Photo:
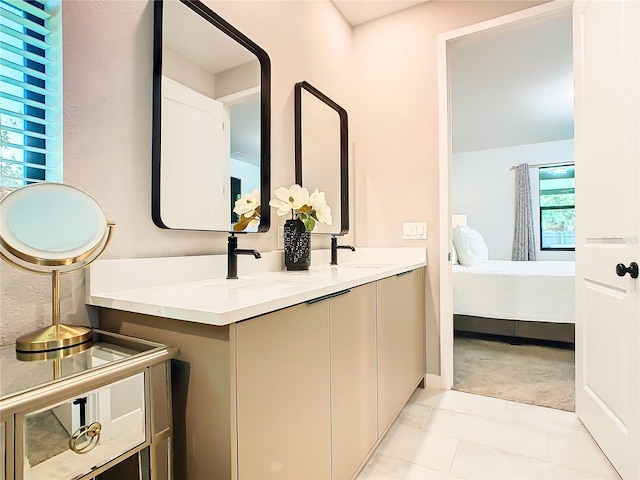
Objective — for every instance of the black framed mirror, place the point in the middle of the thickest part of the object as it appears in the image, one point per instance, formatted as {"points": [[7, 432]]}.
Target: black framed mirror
{"points": [[322, 153], [211, 120]]}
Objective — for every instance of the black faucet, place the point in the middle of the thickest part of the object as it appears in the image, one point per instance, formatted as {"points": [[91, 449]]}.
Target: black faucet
{"points": [[335, 247], [232, 256]]}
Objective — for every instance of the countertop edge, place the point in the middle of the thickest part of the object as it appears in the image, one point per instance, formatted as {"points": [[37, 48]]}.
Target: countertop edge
{"points": [[225, 317]]}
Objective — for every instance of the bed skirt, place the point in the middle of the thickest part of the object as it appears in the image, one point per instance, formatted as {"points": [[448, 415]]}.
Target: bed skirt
{"points": [[547, 331]]}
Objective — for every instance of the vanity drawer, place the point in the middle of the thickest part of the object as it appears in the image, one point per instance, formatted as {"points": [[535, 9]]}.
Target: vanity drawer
{"points": [[70, 439]]}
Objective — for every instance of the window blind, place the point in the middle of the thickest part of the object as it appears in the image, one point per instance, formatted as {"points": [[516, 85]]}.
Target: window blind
{"points": [[30, 92]]}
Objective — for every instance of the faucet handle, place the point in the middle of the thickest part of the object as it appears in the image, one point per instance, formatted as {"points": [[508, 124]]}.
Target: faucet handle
{"points": [[232, 256], [335, 247]]}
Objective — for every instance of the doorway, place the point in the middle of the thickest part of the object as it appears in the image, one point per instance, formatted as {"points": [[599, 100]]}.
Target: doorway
{"points": [[465, 140]]}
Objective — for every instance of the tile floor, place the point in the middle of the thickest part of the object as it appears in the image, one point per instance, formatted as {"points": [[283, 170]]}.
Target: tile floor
{"points": [[456, 435]]}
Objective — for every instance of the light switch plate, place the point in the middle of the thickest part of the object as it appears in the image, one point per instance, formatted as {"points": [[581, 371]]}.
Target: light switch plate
{"points": [[414, 230]]}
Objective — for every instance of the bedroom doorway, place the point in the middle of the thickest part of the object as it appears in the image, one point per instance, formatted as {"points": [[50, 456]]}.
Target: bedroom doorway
{"points": [[496, 352]]}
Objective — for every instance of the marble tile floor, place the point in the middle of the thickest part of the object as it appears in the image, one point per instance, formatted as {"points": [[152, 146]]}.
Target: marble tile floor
{"points": [[456, 435]]}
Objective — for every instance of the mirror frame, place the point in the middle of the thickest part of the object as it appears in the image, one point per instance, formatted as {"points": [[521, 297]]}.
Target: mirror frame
{"points": [[265, 110], [344, 148]]}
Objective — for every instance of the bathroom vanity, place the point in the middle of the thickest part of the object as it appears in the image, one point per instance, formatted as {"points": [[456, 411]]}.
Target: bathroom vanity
{"points": [[103, 412], [280, 375]]}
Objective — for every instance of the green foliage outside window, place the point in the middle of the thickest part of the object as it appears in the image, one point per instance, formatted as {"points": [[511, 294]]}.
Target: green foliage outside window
{"points": [[557, 208], [10, 173]]}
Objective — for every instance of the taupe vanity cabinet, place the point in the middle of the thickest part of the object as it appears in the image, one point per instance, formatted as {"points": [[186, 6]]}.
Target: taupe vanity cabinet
{"points": [[307, 388], [401, 355], [284, 419], [353, 378], [305, 392]]}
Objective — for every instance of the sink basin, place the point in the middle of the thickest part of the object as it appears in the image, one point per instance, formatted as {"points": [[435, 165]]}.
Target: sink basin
{"points": [[365, 265], [267, 284]]}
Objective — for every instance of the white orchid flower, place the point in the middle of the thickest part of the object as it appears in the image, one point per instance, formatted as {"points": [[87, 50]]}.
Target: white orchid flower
{"points": [[322, 210], [247, 204], [292, 198]]}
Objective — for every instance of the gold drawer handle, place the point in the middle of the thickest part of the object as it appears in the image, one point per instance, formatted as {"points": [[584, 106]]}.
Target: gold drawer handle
{"points": [[92, 435]]}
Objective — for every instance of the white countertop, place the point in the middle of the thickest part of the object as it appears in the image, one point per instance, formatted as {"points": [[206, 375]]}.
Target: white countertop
{"points": [[195, 288]]}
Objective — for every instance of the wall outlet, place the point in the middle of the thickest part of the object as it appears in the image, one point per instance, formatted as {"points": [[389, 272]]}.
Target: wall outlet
{"points": [[280, 237], [414, 230]]}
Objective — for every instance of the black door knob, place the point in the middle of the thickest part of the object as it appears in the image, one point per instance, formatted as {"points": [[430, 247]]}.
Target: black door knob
{"points": [[632, 270]]}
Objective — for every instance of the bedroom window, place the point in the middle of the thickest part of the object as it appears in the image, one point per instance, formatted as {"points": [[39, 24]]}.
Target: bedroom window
{"points": [[30, 92], [557, 207]]}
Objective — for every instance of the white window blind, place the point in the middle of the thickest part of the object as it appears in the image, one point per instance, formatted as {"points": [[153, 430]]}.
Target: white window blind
{"points": [[30, 92]]}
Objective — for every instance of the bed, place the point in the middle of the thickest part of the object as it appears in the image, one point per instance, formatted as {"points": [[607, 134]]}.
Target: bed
{"points": [[519, 299]]}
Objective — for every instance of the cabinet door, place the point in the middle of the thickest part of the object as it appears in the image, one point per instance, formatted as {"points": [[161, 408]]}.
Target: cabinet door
{"points": [[401, 340], [353, 378], [283, 394], [3, 452]]}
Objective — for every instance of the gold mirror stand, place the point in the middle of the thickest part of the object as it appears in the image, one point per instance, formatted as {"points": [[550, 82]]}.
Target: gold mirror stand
{"points": [[57, 335]]}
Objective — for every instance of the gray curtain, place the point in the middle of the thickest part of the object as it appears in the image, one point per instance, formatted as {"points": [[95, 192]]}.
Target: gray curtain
{"points": [[524, 246]]}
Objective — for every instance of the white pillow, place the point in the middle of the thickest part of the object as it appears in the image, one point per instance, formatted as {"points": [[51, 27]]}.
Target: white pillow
{"points": [[470, 246], [454, 255], [477, 245]]}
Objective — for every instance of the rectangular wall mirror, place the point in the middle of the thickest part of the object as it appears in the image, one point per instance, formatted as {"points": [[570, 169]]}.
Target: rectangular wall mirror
{"points": [[322, 158], [211, 119]]}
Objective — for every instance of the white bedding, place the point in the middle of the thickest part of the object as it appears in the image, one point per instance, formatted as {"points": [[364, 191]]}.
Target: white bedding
{"points": [[539, 291]]}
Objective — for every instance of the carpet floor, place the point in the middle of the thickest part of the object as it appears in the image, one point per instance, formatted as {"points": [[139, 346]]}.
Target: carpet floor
{"points": [[46, 437], [534, 374]]}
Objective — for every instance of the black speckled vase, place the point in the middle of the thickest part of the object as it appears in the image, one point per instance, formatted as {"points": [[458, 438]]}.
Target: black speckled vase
{"points": [[297, 246]]}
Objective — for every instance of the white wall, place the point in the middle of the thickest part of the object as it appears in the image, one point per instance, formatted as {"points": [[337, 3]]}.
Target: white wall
{"points": [[248, 174], [483, 187], [184, 71], [237, 79]]}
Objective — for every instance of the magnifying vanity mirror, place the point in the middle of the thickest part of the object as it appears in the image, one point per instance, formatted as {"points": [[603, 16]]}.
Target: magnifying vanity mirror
{"points": [[52, 229], [211, 119], [321, 157]]}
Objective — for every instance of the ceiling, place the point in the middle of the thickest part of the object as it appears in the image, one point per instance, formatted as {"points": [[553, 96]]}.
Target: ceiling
{"points": [[185, 31], [360, 11], [513, 85]]}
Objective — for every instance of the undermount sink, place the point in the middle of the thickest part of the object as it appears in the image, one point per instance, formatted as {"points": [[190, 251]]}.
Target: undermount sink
{"points": [[365, 265], [271, 283]]}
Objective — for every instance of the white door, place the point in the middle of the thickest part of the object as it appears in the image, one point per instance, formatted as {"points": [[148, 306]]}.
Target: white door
{"points": [[607, 142], [195, 181]]}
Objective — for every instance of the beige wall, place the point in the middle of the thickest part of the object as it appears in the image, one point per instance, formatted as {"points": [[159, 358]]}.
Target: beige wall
{"points": [[394, 120], [186, 72], [392, 106], [107, 128]]}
